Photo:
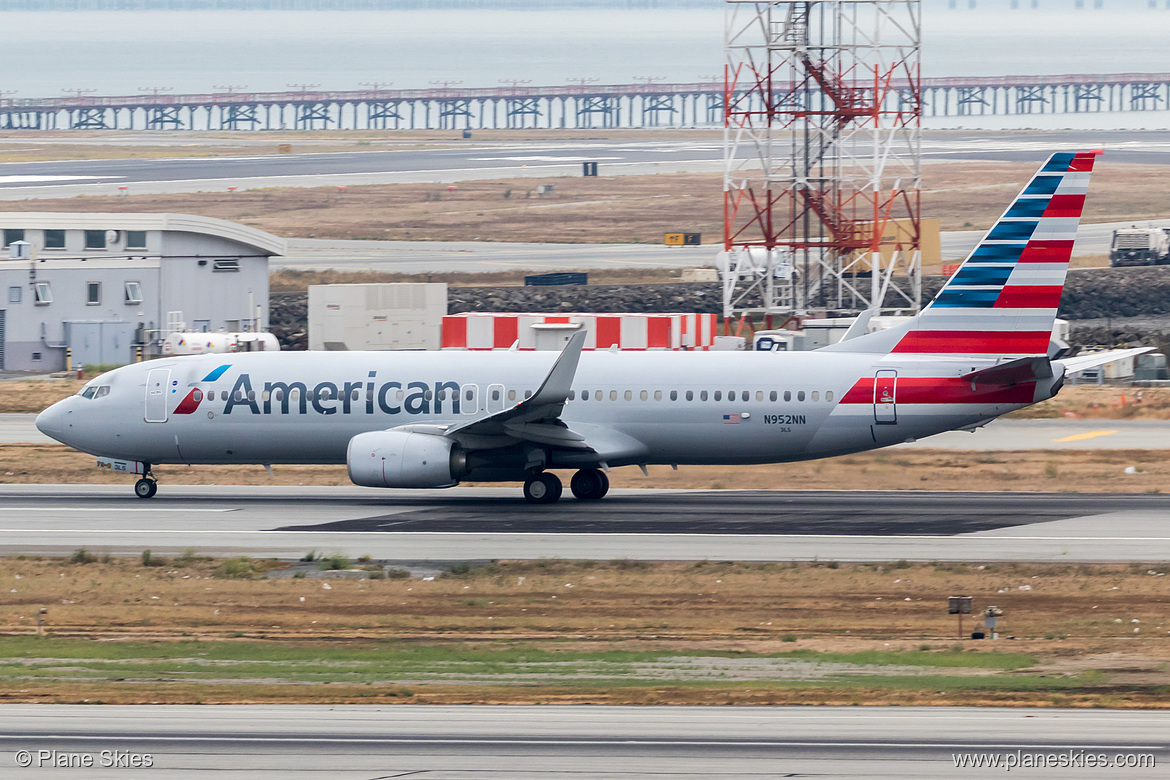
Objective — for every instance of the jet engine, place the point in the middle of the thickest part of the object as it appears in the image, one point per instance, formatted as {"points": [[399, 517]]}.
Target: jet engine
{"points": [[404, 459]]}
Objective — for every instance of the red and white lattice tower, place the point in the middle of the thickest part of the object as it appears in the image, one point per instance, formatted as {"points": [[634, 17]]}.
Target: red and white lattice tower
{"points": [[822, 116]]}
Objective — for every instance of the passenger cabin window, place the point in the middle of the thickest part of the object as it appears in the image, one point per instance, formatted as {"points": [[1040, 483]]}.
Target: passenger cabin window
{"points": [[760, 395], [54, 239], [718, 395], [800, 395], [828, 395], [772, 396], [690, 395], [511, 395], [702, 395], [816, 396], [674, 395], [787, 395], [657, 395], [629, 395]]}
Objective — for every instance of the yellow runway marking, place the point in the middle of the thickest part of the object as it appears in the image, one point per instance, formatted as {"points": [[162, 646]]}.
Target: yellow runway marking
{"points": [[1083, 436]]}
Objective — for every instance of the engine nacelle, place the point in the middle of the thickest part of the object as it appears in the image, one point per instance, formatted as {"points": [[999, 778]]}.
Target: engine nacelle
{"points": [[403, 459]]}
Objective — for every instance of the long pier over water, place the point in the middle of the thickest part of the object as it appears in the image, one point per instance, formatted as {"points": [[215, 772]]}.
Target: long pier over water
{"points": [[568, 106]]}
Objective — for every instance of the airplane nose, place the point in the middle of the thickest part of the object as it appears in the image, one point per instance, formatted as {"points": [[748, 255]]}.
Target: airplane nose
{"points": [[51, 422]]}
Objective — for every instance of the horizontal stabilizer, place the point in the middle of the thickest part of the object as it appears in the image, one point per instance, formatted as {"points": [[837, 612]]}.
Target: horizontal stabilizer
{"points": [[1026, 369], [1094, 359]]}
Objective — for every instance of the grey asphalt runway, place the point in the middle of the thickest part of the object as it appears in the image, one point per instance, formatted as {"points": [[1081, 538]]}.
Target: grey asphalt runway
{"points": [[550, 742], [442, 526], [1059, 434], [461, 161], [417, 257]]}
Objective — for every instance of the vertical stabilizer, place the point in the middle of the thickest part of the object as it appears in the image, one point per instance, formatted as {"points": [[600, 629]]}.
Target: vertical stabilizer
{"points": [[1002, 300], [1004, 297]]}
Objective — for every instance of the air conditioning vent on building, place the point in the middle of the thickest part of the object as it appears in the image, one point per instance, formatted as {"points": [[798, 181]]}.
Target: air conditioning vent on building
{"points": [[226, 266]]}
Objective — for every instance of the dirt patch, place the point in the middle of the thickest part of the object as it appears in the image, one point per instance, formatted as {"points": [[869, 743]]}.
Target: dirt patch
{"points": [[618, 632], [1081, 471], [621, 209]]}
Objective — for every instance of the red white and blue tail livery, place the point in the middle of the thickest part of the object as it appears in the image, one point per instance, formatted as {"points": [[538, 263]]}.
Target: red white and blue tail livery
{"points": [[1004, 297], [430, 419]]}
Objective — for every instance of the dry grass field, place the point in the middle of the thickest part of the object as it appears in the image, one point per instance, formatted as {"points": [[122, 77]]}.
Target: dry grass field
{"points": [[624, 209], [192, 629], [1081, 471]]}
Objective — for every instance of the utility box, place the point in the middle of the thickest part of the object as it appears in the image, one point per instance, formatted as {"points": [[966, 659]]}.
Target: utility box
{"points": [[376, 316]]}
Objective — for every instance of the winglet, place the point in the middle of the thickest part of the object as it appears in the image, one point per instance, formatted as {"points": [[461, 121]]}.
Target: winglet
{"points": [[556, 386]]}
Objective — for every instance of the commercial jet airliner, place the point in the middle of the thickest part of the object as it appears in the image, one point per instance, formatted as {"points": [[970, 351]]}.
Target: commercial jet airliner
{"points": [[980, 349]]}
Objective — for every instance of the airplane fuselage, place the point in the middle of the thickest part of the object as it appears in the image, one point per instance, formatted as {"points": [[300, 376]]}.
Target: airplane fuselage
{"points": [[653, 407]]}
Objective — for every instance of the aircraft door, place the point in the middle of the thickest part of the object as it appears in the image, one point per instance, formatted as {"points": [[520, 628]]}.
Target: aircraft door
{"points": [[885, 385], [495, 398], [469, 404], [157, 381]]}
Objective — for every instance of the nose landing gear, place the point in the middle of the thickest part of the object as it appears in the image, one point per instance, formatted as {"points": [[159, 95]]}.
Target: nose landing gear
{"points": [[147, 486]]}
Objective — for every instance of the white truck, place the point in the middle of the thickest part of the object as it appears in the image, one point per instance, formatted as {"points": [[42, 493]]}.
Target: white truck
{"points": [[1140, 246]]}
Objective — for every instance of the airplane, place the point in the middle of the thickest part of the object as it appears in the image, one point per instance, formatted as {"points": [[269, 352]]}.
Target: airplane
{"points": [[978, 350]]}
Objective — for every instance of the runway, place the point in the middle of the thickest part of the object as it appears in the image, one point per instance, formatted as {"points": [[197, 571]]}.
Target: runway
{"points": [[549, 742], [456, 160], [417, 257], [474, 524]]}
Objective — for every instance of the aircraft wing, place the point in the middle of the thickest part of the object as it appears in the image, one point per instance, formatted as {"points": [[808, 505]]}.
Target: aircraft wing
{"points": [[1094, 359], [535, 419]]}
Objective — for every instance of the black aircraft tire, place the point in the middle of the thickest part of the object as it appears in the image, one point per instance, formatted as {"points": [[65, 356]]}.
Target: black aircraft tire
{"points": [[145, 488], [544, 488], [589, 484]]}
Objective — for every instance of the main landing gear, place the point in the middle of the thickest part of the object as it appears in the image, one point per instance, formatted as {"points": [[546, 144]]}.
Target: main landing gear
{"points": [[545, 488], [589, 484], [147, 486]]}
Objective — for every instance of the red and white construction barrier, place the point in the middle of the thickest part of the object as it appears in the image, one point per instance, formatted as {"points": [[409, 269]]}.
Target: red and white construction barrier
{"points": [[486, 331]]}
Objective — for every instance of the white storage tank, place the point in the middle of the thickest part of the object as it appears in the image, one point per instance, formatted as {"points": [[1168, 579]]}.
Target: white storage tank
{"points": [[376, 316], [196, 343]]}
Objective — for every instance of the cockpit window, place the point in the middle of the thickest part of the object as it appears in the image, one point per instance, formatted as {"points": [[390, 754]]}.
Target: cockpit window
{"points": [[101, 391], [88, 392], [95, 391]]}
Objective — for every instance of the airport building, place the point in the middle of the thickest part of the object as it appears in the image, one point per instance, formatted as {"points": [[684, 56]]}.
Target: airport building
{"points": [[103, 288]]}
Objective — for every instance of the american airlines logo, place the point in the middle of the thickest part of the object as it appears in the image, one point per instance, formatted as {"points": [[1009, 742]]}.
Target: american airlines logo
{"points": [[326, 398]]}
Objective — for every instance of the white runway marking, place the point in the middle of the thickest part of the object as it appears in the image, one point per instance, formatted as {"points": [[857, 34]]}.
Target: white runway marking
{"points": [[155, 510], [43, 179]]}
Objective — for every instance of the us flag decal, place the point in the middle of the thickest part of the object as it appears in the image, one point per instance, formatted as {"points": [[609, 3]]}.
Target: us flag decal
{"points": [[731, 419]]}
